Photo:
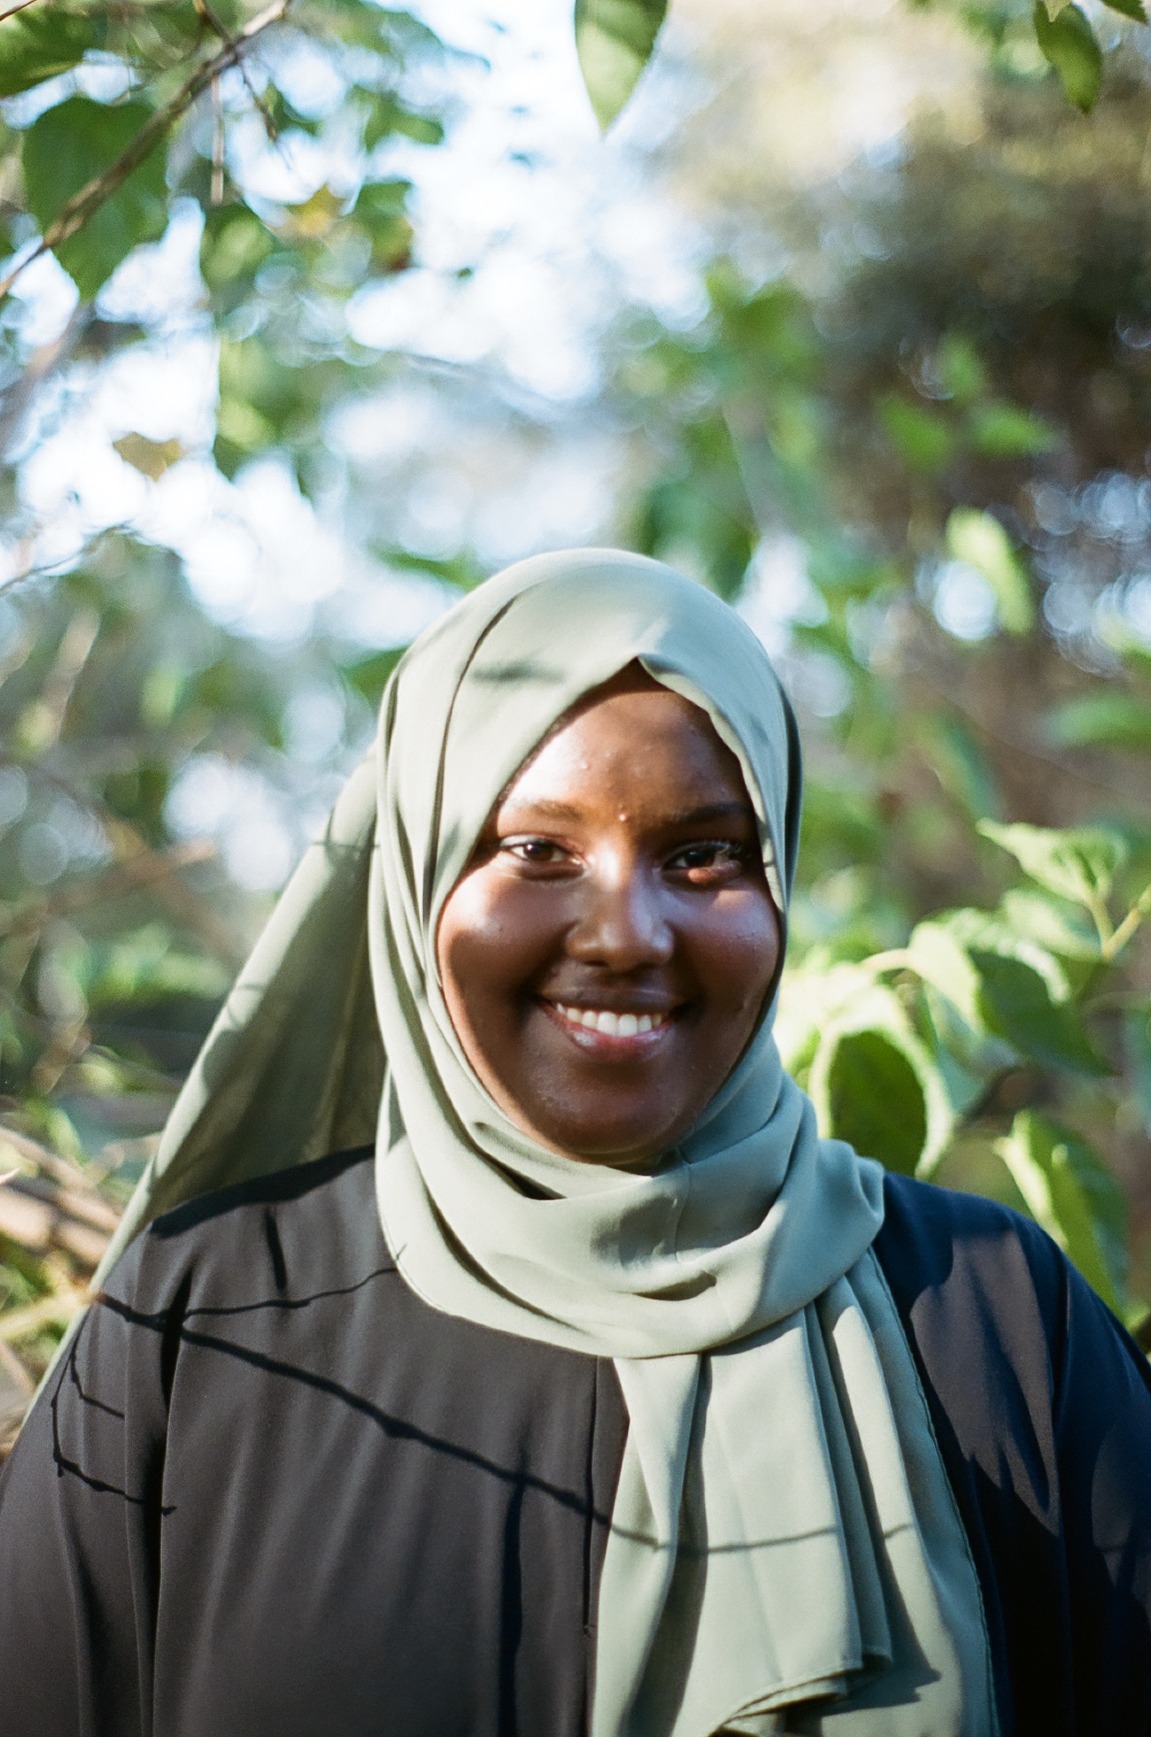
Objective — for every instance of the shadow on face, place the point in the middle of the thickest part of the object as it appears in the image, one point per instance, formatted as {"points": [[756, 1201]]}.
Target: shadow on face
{"points": [[607, 953]]}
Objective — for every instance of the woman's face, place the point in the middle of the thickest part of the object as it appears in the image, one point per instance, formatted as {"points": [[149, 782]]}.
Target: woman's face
{"points": [[606, 953]]}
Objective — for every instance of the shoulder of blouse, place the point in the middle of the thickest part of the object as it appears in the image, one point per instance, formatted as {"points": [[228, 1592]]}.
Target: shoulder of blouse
{"points": [[292, 1233], [1041, 1405]]}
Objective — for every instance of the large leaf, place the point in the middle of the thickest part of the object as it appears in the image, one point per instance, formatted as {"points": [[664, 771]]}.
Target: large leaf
{"points": [[614, 40], [1006, 984], [1051, 923], [41, 42], [809, 999], [875, 1085], [1079, 863], [63, 150], [1069, 44], [1018, 1005], [1073, 1197], [979, 540], [941, 958]]}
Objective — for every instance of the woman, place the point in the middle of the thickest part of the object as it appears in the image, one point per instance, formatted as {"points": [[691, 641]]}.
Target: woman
{"points": [[584, 1389]]}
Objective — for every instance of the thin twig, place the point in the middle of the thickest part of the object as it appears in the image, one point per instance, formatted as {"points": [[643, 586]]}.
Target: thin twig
{"points": [[59, 686], [127, 875], [19, 7], [50, 1311], [63, 1170], [216, 195], [128, 844], [54, 569], [216, 23], [76, 212]]}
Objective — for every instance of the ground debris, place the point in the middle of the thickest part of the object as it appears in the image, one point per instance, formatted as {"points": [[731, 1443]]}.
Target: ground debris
{"points": [[54, 1227]]}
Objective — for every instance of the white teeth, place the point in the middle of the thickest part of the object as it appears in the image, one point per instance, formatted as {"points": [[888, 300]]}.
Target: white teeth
{"points": [[613, 1024]]}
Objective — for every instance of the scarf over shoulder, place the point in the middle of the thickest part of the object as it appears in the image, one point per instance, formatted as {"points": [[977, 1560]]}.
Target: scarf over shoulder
{"points": [[785, 1554]]}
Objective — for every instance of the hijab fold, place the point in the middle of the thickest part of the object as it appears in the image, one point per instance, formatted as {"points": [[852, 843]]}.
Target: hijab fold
{"points": [[784, 1553]]}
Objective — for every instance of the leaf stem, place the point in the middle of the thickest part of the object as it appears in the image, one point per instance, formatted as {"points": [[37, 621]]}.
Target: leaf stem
{"points": [[1101, 917], [1119, 937], [893, 959]]}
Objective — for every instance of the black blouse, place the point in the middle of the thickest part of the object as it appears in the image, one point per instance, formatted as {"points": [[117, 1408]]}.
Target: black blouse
{"points": [[272, 1494]]}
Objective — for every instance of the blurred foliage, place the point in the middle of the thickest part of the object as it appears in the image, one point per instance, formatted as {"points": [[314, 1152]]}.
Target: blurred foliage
{"points": [[923, 443], [927, 443]]}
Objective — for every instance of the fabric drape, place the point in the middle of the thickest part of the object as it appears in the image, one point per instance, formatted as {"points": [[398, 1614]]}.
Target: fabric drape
{"points": [[784, 1551]]}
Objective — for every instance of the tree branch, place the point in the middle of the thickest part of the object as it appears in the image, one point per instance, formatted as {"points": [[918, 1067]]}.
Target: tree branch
{"points": [[128, 875], [76, 212]]}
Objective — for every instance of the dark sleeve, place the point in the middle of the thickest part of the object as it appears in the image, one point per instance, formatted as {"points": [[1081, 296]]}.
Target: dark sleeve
{"points": [[79, 1513], [1042, 1406]]}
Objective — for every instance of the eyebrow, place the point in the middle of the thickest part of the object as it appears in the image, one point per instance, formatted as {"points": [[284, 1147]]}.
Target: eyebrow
{"points": [[705, 815]]}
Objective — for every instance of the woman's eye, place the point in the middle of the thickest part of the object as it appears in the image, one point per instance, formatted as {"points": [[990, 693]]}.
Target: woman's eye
{"points": [[539, 852], [713, 859]]}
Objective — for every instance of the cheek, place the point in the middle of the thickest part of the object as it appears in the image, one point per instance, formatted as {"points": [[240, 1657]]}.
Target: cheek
{"points": [[488, 944], [738, 950]]}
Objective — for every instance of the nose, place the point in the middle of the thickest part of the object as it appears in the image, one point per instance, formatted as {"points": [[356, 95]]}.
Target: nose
{"points": [[622, 925]]}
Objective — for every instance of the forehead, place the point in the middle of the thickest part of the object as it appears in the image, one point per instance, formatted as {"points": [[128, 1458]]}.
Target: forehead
{"points": [[632, 742]]}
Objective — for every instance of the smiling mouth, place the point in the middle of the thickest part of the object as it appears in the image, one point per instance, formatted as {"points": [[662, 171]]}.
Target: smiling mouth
{"points": [[610, 1023]]}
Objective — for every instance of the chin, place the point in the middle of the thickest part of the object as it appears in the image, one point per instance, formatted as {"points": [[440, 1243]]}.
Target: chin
{"points": [[618, 1148]]}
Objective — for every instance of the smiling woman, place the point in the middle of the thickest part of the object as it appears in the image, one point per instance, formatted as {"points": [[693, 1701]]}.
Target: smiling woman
{"points": [[495, 1346], [608, 951]]}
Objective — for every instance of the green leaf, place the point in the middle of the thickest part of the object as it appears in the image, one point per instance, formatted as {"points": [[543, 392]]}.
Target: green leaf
{"points": [[1076, 1200], [1054, 925], [919, 435], [939, 956], [875, 1085], [369, 675], [810, 997], [1101, 720], [234, 245], [381, 210], [1129, 8], [63, 150], [1017, 1004], [387, 116], [1080, 863], [145, 965], [959, 369], [614, 41], [1004, 431], [961, 764], [979, 540], [41, 42], [1067, 42]]}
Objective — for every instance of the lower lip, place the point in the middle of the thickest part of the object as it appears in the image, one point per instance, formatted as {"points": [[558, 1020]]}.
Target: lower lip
{"points": [[607, 1045]]}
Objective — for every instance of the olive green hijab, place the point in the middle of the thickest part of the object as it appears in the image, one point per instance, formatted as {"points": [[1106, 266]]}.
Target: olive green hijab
{"points": [[784, 1553]]}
